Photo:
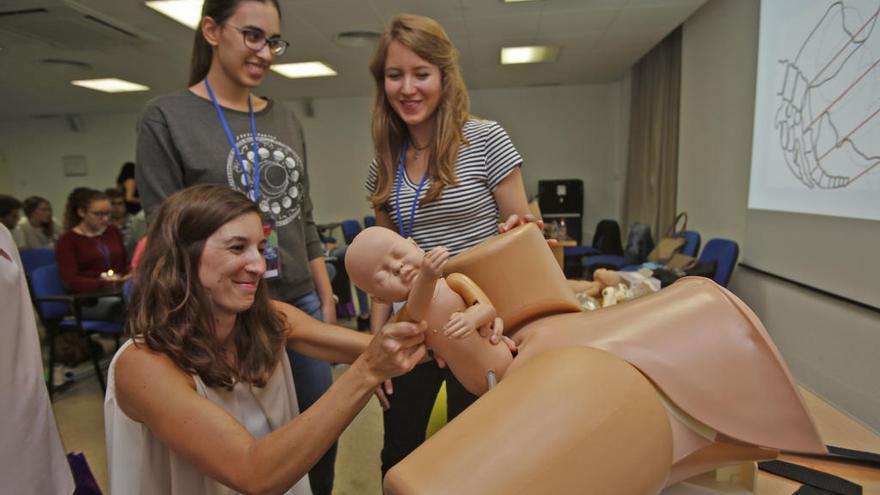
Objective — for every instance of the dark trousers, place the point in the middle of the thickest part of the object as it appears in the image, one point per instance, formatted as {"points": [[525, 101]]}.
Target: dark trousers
{"points": [[109, 308], [411, 404], [312, 378]]}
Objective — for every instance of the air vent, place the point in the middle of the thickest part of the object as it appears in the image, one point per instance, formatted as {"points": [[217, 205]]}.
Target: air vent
{"points": [[66, 24], [357, 39]]}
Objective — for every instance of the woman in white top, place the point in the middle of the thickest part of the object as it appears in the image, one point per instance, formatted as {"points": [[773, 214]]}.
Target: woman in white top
{"points": [[201, 401], [39, 230]]}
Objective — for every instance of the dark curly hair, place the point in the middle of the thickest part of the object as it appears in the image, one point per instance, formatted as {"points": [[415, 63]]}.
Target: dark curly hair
{"points": [[79, 199], [171, 312]]}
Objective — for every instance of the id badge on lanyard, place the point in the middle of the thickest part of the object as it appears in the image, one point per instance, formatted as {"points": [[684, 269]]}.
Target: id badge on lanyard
{"points": [[271, 252]]}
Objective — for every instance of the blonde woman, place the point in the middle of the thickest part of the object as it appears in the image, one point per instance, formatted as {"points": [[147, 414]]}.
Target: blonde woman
{"points": [[441, 177]]}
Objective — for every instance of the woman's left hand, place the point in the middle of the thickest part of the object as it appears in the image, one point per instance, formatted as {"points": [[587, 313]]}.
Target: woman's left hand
{"points": [[516, 220]]}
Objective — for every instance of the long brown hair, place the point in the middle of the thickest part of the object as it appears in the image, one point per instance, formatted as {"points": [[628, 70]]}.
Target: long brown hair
{"points": [[202, 53], [171, 312], [428, 40], [31, 204], [79, 199]]}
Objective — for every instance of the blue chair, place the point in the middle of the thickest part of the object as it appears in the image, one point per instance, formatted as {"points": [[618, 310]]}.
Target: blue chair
{"points": [[691, 243], [31, 259], [724, 253], [369, 221], [690, 248], [60, 312], [350, 228], [606, 240], [638, 244]]}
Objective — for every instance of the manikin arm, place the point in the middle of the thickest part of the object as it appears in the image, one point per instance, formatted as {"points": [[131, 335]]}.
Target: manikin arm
{"points": [[479, 313], [462, 323], [423, 286]]}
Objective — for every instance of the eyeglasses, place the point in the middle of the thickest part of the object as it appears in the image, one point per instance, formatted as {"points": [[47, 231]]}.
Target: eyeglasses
{"points": [[102, 214], [256, 40]]}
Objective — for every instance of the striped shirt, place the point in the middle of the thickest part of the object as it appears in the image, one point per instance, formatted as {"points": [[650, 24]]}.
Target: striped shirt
{"points": [[466, 212]]}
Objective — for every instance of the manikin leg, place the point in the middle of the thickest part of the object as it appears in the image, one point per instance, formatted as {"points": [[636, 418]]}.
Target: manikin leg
{"points": [[572, 420]]}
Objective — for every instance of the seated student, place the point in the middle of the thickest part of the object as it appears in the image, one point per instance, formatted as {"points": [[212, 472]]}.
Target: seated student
{"points": [[202, 399], [393, 270], [39, 230], [118, 214], [10, 211], [91, 254]]}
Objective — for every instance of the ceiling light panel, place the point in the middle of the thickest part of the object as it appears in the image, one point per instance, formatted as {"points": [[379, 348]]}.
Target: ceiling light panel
{"points": [[529, 54], [186, 12], [304, 69], [110, 85]]}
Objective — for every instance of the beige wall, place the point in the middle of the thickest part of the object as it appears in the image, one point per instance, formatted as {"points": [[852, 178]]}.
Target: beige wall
{"points": [[831, 346], [32, 151]]}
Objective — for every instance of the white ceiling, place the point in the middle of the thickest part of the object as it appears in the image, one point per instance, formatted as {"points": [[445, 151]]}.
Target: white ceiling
{"points": [[599, 40]]}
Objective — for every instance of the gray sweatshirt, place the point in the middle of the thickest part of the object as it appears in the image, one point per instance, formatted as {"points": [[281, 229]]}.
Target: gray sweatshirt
{"points": [[181, 143]]}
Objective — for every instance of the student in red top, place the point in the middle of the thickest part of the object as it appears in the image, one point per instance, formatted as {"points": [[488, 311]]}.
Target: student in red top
{"points": [[91, 252]]}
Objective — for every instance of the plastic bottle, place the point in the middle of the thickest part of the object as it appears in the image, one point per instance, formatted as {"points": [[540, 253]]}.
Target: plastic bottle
{"points": [[563, 231]]}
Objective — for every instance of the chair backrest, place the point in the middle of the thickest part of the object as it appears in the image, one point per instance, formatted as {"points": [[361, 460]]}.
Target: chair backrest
{"points": [[369, 221], [350, 228], [607, 237], [31, 259], [691, 242], [639, 242], [724, 253], [46, 281]]}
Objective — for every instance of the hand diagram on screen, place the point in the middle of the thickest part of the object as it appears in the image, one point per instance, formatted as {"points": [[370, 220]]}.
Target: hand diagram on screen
{"points": [[829, 102]]}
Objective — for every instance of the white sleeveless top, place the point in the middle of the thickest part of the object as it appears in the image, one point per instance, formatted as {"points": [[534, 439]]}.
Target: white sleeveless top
{"points": [[139, 463]]}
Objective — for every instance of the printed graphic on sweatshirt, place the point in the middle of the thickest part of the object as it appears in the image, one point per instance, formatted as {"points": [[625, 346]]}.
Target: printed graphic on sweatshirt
{"points": [[280, 176]]}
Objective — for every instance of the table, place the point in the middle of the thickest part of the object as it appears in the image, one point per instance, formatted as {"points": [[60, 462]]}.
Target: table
{"points": [[559, 251], [836, 429]]}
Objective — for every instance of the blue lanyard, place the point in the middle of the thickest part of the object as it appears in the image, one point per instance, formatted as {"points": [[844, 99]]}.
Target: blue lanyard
{"points": [[255, 182], [401, 169], [105, 251]]}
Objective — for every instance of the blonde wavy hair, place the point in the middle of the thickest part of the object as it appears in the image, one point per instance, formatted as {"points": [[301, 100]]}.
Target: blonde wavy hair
{"points": [[428, 40]]}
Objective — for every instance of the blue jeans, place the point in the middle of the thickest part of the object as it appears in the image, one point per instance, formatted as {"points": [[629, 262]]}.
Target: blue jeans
{"points": [[312, 378]]}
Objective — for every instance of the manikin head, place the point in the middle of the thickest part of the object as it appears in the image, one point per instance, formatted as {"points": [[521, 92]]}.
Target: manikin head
{"points": [[383, 264]]}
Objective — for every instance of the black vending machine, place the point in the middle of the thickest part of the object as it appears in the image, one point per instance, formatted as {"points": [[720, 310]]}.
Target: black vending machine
{"points": [[562, 200]]}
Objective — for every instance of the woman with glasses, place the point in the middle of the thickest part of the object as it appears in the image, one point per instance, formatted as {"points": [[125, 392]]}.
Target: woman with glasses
{"points": [[217, 131], [91, 254]]}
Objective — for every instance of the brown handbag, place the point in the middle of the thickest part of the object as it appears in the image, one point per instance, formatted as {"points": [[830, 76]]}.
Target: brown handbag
{"points": [[670, 245]]}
